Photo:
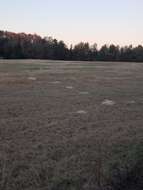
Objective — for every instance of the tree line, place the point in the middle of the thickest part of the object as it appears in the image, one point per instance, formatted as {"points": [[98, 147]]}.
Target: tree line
{"points": [[32, 46]]}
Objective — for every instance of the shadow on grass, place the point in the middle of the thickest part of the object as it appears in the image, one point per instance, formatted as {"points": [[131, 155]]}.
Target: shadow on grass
{"points": [[126, 167]]}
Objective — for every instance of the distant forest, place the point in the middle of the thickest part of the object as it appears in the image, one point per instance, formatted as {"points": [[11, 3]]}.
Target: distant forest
{"points": [[32, 46]]}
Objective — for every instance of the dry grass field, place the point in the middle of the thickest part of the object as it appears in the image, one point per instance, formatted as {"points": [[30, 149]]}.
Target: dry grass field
{"points": [[71, 125]]}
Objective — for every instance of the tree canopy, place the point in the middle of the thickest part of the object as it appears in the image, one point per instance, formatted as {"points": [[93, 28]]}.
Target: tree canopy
{"points": [[33, 46]]}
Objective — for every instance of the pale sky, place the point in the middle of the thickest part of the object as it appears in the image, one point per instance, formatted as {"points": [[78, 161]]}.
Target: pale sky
{"points": [[101, 21]]}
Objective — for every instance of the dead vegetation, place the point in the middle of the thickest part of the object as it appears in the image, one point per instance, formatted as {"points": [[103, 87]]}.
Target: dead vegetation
{"points": [[45, 144]]}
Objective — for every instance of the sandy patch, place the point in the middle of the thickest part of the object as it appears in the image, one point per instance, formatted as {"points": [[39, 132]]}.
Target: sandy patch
{"points": [[108, 102], [131, 102], [84, 93], [81, 112], [32, 78], [55, 82], [69, 87]]}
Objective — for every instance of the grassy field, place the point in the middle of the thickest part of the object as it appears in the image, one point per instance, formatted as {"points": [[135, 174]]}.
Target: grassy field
{"points": [[71, 125]]}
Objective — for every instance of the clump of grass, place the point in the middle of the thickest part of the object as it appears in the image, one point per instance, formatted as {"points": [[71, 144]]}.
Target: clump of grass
{"points": [[18, 175], [3, 175], [119, 167]]}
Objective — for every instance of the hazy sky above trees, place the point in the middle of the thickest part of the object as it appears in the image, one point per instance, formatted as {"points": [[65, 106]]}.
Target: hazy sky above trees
{"points": [[101, 21]]}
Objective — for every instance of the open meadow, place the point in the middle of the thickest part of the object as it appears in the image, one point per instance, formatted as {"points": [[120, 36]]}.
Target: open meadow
{"points": [[71, 125]]}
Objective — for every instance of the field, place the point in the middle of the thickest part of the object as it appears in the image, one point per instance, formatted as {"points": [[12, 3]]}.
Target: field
{"points": [[71, 125]]}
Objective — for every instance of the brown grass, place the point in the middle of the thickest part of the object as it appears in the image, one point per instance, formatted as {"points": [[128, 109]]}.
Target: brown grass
{"points": [[46, 145]]}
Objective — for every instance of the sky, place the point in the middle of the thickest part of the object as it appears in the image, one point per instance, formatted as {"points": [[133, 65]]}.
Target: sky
{"points": [[94, 21]]}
